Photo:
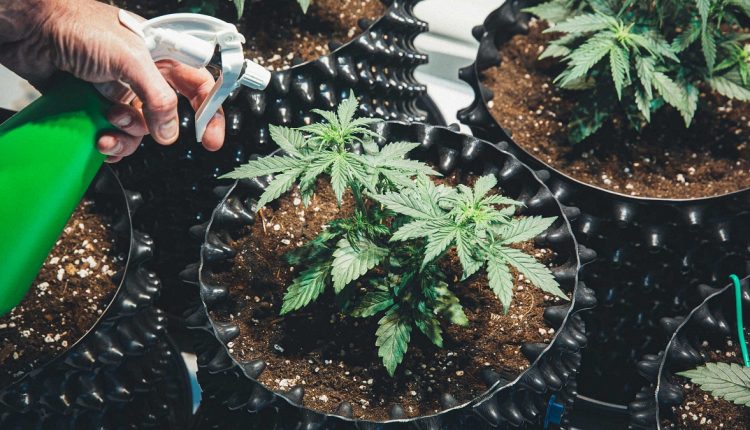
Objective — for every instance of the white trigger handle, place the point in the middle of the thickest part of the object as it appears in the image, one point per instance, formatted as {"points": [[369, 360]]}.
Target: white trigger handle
{"points": [[191, 39]]}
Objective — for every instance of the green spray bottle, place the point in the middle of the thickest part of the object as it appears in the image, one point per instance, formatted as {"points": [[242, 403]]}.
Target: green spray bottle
{"points": [[48, 156]]}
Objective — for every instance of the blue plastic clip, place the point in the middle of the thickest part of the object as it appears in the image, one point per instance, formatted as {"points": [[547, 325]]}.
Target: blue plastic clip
{"points": [[554, 412]]}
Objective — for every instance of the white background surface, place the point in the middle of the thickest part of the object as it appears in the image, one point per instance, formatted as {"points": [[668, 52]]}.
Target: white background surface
{"points": [[449, 44]]}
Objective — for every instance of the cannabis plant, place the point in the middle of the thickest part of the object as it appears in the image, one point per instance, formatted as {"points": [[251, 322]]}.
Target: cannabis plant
{"points": [[383, 259], [728, 381], [635, 57], [478, 225]]}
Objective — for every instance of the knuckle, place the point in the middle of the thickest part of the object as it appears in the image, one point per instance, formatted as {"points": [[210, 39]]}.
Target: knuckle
{"points": [[163, 102]]}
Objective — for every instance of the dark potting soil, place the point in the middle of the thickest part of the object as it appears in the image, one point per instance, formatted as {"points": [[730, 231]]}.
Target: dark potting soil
{"points": [[334, 357], [276, 31], [667, 160], [702, 411], [68, 296]]}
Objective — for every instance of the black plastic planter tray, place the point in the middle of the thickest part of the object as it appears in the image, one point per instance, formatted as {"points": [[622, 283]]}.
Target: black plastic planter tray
{"points": [[123, 373], [177, 181], [232, 396], [715, 320], [652, 252]]}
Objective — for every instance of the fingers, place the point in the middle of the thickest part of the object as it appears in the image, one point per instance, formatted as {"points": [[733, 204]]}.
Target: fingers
{"points": [[128, 119], [121, 144], [159, 99], [117, 145], [196, 85]]}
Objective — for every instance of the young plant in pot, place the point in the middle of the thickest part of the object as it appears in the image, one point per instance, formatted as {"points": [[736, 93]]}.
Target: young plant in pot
{"points": [[85, 348], [701, 380], [344, 280], [370, 51], [639, 111]]}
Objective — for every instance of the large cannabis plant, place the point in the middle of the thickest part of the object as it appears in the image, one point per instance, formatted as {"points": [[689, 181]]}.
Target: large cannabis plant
{"points": [[638, 56], [383, 258], [728, 381]]}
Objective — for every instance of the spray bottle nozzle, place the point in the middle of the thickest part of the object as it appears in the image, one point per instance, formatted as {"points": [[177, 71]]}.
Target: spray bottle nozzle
{"points": [[192, 39]]}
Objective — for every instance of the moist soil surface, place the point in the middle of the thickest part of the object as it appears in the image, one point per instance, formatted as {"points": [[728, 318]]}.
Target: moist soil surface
{"points": [[665, 161], [702, 411], [334, 357], [68, 296], [277, 31]]}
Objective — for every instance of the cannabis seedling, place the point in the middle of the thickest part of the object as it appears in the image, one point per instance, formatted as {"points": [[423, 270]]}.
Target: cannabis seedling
{"points": [[728, 381], [396, 209], [479, 225], [638, 56]]}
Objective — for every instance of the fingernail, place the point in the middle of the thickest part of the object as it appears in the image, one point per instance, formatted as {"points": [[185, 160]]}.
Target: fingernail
{"points": [[124, 121], [169, 129], [117, 149]]}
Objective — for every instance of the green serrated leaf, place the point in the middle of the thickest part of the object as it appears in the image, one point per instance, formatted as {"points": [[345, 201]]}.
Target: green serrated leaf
{"points": [[500, 281], [397, 150], [619, 63], [673, 94], [708, 43], [288, 139], [329, 116], [729, 87], [278, 186], [373, 303], [536, 272], [437, 242], [393, 335], [339, 176], [483, 186], [523, 229], [351, 262], [464, 249], [305, 288], [304, 4], [498, 199], [728, 381], [688, 36], [449, 306], [347, 109], [704, 6], [644, 104], [430, 327], [411, 230], [583, 23], [586, 56], [585, 123], [264, 166], [552, 11], [240, 6], [645, 67], [407, 202]]}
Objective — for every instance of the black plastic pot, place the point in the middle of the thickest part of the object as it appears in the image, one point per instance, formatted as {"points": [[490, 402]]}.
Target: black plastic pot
{"points": [[232, 396], [177, 181], [124, 373], [652, 252], [714, 320]]}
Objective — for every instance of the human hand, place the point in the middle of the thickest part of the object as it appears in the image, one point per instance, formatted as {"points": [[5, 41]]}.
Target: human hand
{"points": [[85, 38]]}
